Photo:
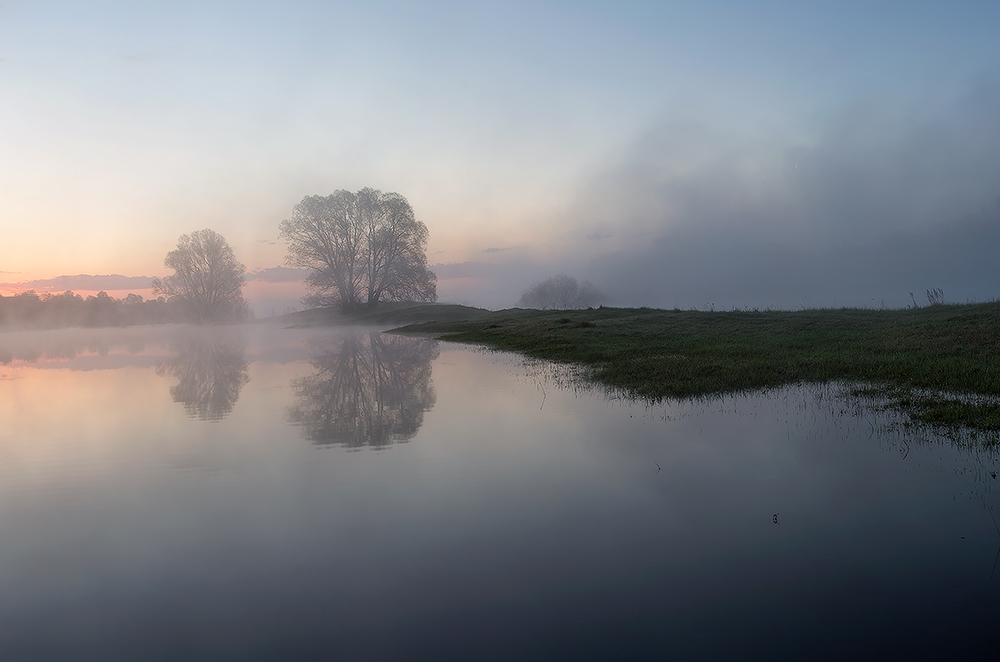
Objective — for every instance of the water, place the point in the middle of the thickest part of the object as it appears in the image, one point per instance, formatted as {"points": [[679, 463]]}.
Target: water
{"points": [[267, 493]]}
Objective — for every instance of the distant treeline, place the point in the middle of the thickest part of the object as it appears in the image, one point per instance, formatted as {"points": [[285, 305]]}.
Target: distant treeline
{"points": [[29, 310]]}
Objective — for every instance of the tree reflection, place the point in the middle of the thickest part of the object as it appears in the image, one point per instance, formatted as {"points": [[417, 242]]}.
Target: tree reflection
{"points": [[370, 389], [212, 371]]}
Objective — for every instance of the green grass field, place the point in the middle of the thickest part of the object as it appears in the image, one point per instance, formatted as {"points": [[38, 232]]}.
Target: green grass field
{"points": [[925, 361]]}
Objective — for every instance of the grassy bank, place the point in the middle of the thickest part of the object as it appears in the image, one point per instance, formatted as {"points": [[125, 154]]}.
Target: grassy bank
{"points": [[908, 355]]}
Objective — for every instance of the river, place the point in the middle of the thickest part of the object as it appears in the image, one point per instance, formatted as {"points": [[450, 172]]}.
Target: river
{"points": [[264, 493]]}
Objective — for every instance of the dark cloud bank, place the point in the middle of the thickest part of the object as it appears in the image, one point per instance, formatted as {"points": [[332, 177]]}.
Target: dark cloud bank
{"points": [[878, 205]]}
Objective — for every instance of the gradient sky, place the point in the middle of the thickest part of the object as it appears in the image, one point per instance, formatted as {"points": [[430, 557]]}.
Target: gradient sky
{"points": [[690, 154]]}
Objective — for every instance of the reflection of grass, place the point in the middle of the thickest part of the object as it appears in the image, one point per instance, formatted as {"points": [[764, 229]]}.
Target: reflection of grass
{"points": [[953, 411], [938, 409], [658, 353]]}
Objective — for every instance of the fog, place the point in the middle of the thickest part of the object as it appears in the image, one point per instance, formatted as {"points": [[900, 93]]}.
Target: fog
{"points": [[871, 208]]}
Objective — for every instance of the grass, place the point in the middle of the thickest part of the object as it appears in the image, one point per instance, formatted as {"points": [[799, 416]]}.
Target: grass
{"points": [[941, 352]]}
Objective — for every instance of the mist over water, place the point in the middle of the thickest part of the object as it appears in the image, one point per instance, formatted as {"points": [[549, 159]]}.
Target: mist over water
{"points": [[243, 492], [246, 491]]}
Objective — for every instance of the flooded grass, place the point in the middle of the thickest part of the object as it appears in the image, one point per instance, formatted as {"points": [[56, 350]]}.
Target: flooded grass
{"points": [[926, 361]]}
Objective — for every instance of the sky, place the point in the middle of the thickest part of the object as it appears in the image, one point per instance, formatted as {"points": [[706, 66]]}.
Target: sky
{"points": [[696, 155]]}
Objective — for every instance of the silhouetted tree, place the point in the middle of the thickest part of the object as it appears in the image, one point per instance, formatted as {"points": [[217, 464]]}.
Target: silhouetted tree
{"points": [[66, 309], [207, 281], [363, 247], [29, 310], [24, 310], [369, 389], [560, 292], [103, 310]]}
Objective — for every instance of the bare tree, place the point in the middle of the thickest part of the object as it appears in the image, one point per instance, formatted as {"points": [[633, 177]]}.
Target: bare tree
{"points": [[208, 280], [560, 292], [363, 247]]}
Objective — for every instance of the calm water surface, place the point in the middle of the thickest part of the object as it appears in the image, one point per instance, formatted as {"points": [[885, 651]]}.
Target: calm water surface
{"points": [[264, 493]]}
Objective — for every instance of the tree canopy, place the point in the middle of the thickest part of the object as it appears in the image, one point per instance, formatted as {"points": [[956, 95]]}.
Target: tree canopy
{"points": [[363, 248], [30, 310], [208, 280], [560, 292]]}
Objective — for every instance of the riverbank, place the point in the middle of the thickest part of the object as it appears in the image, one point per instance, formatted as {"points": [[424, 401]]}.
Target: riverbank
{"points": [[925, 361]]}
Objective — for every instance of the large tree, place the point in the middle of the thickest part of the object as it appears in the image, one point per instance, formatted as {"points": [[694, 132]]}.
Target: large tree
{"points": [[208, 279], [363, 248]]}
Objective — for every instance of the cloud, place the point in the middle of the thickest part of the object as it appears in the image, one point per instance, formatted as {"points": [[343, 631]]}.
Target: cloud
{"points": [[866, 207], [82, 282], [499, 250], [878, 203], [466, 270]]}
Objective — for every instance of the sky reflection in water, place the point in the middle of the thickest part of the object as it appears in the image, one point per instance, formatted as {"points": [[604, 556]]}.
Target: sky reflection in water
{"points": [[189, 494]]}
